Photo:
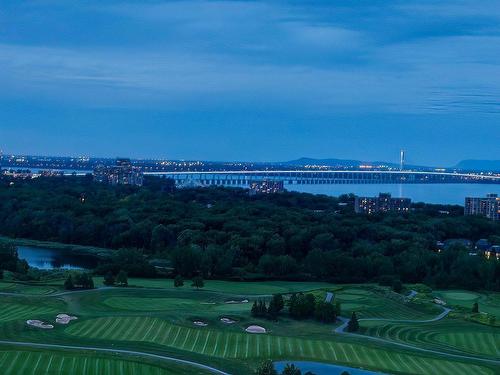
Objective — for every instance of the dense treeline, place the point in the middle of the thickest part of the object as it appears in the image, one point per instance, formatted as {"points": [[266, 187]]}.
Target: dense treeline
{"points": [[217, 232]]}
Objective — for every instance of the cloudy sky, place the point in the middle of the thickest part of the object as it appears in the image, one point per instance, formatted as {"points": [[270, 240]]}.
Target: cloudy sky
{"points": [[245, 80]]}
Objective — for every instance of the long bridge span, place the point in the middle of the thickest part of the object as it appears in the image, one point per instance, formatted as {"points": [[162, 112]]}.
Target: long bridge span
{"points": [[330, 177]]}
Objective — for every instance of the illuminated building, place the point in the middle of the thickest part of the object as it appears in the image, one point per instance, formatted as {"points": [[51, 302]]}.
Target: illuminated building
{"points": [[493, 253], [383, 203], [488, 206], [266, 187], [123, 173]]}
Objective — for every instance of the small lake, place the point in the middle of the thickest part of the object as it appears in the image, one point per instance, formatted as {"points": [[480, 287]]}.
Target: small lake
{"points": [[48, 259], [324, 369]]}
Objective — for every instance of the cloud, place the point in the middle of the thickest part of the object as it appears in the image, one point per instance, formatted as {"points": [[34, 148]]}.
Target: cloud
{"points": [[325, 57]]}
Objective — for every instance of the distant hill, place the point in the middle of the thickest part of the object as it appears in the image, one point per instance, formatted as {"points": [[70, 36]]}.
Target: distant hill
{"points": [[480, 165]]}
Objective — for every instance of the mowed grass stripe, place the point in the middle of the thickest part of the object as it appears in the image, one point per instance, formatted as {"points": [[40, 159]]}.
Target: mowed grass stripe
{"points": [[42, 363], [221, 344], [9, 312]]}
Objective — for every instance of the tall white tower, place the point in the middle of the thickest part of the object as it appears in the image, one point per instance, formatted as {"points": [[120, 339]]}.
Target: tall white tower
{"points": [[402, 157]]}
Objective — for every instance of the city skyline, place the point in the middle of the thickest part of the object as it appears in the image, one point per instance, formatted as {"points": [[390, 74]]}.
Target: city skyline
{"points": [[251, 81]]}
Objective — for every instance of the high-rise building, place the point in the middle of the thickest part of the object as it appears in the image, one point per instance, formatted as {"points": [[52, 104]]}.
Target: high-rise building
{"points": [[488, 206], [123, 173], [383, 203]]}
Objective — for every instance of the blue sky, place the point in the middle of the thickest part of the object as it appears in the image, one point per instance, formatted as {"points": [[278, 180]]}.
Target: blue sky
{"points": [[245, 80]]}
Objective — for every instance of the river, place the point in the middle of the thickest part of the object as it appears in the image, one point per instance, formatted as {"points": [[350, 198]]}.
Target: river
{"points": [[428, 193]]}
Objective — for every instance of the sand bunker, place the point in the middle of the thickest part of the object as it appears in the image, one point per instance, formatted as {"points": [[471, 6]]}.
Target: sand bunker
{"points": [[200, 323], [39, 324], [256, 329], [439, 302], [64, 318], [227, 321], [242, 301], [207, 303]]}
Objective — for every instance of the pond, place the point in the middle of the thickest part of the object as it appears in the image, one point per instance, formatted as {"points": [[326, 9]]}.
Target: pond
{"points": [[324, 369], [48, 259]]}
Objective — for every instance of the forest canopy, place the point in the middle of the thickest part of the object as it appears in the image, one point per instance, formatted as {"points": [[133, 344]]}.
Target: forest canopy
{"points": [[225, 233]]}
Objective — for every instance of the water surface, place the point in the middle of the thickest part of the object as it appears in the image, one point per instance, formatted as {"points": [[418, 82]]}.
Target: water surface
{"points": [[48, 259], [324, 369], [428, 193]]}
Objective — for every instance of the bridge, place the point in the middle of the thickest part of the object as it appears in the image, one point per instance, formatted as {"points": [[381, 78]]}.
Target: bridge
{"points": [[244, 178]]}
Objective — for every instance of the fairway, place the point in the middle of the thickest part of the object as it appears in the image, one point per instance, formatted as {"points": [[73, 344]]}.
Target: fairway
{"points": [[370, 303], [151, 304], [445, 334], [488, 302], [22, 311], [160, 320], [233, 345], [15, 362], [231, 287]]}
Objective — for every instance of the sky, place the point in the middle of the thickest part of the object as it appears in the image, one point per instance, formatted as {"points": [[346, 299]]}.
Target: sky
{"points": [[251, 81]]}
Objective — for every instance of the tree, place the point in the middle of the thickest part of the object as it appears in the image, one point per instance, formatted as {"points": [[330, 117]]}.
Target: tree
{"points": [[109, 279], [279, 302], [122, 278], [475, 308], [345, 373], [275, 306], [82, 281], [266, 368], [1, 274], [397, 286], [353, 325], [338, 308], [178, 281], [325, 312], [301, 306], [198, 282], [290, 369], [254, 310], [68, 284]]}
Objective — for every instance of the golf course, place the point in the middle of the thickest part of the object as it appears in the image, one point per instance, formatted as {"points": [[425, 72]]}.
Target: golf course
{"points": [[151, 327]]}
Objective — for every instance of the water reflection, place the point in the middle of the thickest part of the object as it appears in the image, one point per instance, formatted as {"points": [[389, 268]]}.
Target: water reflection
{"points": [[324, 369], [47, 259]]}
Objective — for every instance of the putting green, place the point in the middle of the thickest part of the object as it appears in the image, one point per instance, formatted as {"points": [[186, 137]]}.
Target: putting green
{"points": [[460, 296]]}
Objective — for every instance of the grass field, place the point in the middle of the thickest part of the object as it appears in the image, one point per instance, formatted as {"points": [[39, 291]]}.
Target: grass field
{"points": [[12, 309], [159, 319], [216, 343], [10, 287], [488, 302], [16, 362], [443, 335], [369, 302], [231, 287]]}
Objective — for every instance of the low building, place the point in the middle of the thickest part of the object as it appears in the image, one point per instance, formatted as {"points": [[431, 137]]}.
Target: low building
{"points": [[266, 187], [383, 203], [123, 173], [488, 206], [493, 253]]}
